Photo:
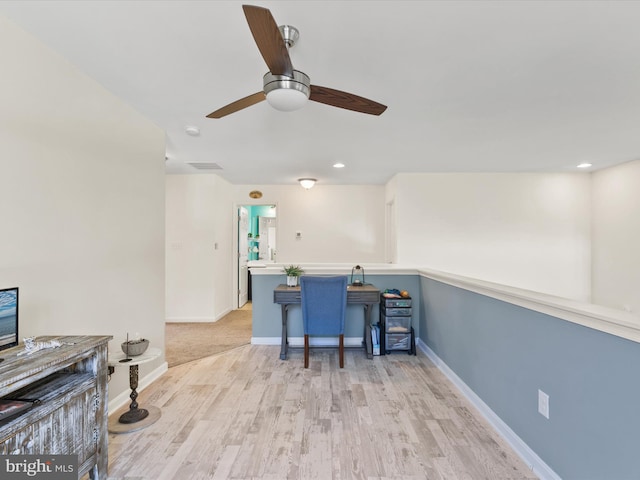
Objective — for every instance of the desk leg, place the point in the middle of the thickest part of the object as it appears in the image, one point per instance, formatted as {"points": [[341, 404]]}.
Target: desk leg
{"points": [[134, 414], [367, 330], [284, 341]]}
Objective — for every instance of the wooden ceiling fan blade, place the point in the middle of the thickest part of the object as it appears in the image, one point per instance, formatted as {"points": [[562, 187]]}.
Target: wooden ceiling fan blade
{"points": [[269, 40], [238, 105], [349, 101]]}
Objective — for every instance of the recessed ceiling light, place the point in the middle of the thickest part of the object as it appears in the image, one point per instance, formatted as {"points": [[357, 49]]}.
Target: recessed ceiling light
{"points": [[191, 130], [338, 165], [584, 165]]}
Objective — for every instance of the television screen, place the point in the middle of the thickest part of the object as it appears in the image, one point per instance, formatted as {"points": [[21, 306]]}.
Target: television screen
{"points": [[8, 317]]}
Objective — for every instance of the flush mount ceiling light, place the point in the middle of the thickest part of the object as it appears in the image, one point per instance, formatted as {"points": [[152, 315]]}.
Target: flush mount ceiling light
{"points": [[191, 130], [338, 165], [584, 165], [307, 183]]}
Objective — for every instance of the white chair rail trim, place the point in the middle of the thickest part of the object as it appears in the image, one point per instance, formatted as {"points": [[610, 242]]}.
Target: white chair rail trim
{"points": [[335, 269], [604, 319]]}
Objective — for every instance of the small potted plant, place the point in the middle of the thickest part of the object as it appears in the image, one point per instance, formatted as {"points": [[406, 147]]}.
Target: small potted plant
{"points": [[293, 272]]}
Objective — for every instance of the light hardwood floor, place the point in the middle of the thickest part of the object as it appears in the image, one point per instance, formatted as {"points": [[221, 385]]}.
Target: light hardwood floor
{"points": [[245, 414]]}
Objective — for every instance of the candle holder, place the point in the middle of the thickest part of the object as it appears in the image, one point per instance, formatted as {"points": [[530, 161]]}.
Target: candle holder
{"points": [[357, 276]]}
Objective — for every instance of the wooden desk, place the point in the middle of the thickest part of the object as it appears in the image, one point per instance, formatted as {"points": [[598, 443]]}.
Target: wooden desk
{"points": [[366, 295]]}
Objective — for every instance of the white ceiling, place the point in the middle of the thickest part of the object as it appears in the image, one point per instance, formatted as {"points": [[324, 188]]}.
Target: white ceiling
{"points": [[473, 86]]}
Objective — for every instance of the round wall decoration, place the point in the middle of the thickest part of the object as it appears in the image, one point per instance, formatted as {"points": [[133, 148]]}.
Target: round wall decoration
{"points": [[255, 194]]}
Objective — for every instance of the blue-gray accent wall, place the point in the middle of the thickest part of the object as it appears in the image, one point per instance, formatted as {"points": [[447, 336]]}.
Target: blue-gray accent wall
{"points": [[505, 353], [267, 318]]}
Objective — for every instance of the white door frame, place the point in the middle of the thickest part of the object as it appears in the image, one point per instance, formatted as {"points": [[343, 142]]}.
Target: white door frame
{"points": [[234, 243], [243, 256]]}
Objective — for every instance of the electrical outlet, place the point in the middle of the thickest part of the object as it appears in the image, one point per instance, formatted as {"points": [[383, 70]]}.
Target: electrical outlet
{"points": [[543, 404]]}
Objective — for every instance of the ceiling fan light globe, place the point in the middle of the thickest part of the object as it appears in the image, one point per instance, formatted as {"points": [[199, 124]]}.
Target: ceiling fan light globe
{"points": [[286, 100], [287, 93]]}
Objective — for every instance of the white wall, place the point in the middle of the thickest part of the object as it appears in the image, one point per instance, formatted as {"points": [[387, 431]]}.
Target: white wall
{"points": [[616, 237], [82, 196], [339, 223], [199, 219], [526, 230], [391, 222]]}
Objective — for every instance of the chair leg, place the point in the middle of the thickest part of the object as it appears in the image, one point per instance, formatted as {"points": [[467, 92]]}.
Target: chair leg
{"points": [[306, 351], [341, 350]]}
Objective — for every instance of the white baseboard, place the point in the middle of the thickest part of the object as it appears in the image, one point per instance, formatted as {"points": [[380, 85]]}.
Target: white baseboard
{"points": [[123, 399], [197, 319], [265, 340], [225, 312], [190, 320], [313, 341], [535, 463]]}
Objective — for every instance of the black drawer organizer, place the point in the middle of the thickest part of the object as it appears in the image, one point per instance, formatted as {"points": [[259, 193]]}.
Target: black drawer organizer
{"points": [[395, 325]]}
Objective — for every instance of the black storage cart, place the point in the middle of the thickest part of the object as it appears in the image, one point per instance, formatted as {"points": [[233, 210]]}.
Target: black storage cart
{"points": [[396, 332]]}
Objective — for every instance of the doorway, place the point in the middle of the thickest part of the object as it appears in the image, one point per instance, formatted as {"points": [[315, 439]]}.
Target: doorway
{"points": [[243, 256], [257, 247]]}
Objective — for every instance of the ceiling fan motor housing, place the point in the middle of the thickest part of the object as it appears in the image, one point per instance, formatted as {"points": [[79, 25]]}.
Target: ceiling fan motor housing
{"points": [[289, 34], [287, 93]]}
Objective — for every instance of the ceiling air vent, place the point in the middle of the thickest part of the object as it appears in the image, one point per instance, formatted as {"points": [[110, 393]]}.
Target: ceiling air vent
{"points": [[206, 166]]}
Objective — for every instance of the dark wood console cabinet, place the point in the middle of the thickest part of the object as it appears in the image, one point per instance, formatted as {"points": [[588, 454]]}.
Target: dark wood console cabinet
{"points": [[70, 383]]}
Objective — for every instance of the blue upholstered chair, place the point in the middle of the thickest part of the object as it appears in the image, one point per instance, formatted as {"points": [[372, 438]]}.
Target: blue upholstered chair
{"points": [[324, 303]]}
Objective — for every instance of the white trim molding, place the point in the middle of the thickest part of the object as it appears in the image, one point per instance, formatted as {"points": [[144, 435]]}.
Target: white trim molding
{"points": [[604, 319], [609, 320], [197, 319], [336, 269]]}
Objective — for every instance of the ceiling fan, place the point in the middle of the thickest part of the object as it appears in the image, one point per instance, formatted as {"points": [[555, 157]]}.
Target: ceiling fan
{"points": [[287, 89]]}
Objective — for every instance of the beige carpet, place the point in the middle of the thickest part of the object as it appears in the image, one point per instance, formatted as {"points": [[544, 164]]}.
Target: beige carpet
{"points": [[185, 342]]}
